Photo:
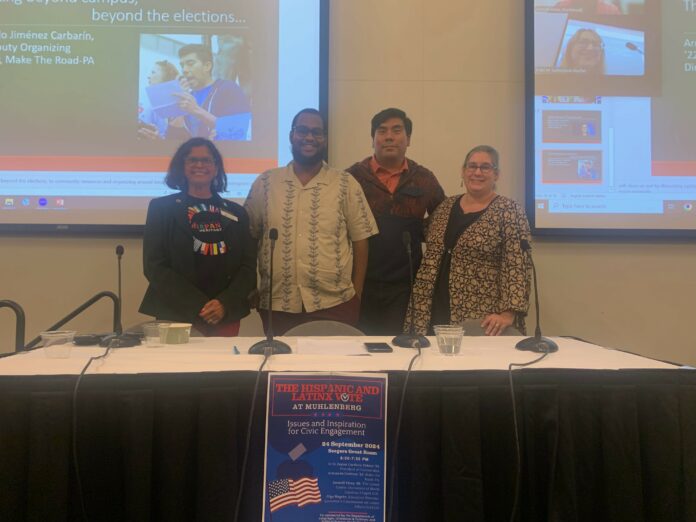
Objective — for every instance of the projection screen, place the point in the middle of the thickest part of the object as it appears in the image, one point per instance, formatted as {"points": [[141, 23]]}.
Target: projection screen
{"points": [[610, 148], [91, 99]]}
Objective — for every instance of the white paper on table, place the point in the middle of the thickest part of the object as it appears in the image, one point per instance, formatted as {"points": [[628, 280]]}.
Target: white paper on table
{"points": [[314, 346]]}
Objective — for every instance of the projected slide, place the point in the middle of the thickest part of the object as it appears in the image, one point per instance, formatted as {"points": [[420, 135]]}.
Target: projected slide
{"points": [[98, 94], [613, 146]]}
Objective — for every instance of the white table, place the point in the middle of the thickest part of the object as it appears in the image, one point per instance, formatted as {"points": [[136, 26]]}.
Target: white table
{"points": [[217, 354]]}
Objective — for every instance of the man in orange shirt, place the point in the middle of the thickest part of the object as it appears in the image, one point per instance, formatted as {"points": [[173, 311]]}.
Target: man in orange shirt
{"points": [[400, 193]]}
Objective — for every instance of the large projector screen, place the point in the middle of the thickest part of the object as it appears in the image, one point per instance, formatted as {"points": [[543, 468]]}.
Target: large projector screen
{"points": [[610, 143], [93, 101]]}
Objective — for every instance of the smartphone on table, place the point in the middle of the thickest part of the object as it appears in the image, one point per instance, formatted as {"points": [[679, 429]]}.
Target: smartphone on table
{"points": [[378, 347]]}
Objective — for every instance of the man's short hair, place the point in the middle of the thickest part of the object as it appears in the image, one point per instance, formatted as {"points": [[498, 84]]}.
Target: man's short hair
{"points": [[387, 114], [310, 111], [203, 52]]}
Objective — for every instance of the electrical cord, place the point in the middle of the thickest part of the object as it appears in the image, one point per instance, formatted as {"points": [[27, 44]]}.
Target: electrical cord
{"points": [[416, 344], [76, 465], [247, 445], [518, 454]]}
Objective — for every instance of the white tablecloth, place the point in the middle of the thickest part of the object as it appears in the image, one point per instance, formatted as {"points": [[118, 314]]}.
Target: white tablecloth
{"points": [[217, 354]]}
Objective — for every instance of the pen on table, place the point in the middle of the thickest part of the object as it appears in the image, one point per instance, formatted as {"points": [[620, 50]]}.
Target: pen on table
{"points": [[235, 350]]}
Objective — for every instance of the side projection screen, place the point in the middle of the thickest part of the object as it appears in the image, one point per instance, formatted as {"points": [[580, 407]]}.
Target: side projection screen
{"points": [[611, 147]]}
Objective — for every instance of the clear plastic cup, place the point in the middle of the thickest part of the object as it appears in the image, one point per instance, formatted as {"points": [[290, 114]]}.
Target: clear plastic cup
{"points": [[57, 344], [177, 333], [449, 338], [154, 332]]}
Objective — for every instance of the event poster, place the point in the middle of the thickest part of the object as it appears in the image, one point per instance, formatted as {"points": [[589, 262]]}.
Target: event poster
{"points": [[325, 447]]}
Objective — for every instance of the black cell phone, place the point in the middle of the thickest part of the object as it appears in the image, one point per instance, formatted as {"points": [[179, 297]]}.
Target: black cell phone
{"points": [[378, 348]]}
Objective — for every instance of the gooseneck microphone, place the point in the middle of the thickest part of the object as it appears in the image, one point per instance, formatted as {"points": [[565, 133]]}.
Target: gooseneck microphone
{"points": [[119, 255], [537, 343], [634, 47], [270, 345], [410, 340], [119, 339]]}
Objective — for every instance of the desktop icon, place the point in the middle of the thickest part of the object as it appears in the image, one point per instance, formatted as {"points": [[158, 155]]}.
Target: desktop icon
{"points": [[26, 202], [9, 202], [60, 202], [43, 202]]}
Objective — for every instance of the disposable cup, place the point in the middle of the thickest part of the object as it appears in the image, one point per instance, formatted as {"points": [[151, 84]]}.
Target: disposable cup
{"points": [[177, 333], [57, 344], [153, 332]]}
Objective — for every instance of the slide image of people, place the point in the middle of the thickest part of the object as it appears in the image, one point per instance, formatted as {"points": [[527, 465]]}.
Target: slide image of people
{"points": [[587, 170], [584, 51], [596, 49], [205, 98], [563, 44]]}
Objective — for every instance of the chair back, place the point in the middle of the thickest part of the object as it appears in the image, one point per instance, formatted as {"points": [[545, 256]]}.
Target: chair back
{"points": [[327, 328], [473, 327]]}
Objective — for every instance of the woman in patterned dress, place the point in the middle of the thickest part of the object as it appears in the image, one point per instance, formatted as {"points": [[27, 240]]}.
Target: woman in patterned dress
{"points": [[474, 266]]}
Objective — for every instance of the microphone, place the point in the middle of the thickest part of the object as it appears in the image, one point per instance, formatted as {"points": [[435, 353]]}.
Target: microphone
{"points": [[270, 346], [634, 47], [537, 343], [119, 255], [119, 339], [410, 340]]}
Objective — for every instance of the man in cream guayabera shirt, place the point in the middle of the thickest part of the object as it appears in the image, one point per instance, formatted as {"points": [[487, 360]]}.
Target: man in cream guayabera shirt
{"points": [[323, 222]]}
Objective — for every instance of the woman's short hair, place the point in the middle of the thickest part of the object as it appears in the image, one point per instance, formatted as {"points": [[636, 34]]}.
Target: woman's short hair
{"points": [[495, 157], [175, 174]]}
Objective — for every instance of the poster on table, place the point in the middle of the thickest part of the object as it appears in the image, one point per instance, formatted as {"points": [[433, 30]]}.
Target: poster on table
{"points": [[325, 447]]}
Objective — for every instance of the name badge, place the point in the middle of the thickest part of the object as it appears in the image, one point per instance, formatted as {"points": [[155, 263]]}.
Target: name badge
{"points": [[229, 215]]}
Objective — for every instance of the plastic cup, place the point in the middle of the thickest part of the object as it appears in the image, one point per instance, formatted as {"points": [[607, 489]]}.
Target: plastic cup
{"points": [[153, 332], [177, 333], [449, 338], [57, 344]]}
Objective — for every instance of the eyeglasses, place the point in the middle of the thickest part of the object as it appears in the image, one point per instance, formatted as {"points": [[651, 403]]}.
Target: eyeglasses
{"points": [[589, 44], [302, 132], [202, 161], [485, 168]]}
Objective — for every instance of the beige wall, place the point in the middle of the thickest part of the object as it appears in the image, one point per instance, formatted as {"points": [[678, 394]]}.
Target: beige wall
{"points": [[457, 67]]}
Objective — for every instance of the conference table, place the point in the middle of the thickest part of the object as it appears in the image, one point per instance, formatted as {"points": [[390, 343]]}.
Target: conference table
{"points": [[160, 432]]}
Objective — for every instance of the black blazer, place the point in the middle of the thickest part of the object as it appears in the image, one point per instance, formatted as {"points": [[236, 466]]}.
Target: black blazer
{"points": [[168, 261]]}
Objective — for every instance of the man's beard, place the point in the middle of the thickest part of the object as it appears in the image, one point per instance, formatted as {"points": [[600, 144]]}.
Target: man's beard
{"points": [[302, 159]]}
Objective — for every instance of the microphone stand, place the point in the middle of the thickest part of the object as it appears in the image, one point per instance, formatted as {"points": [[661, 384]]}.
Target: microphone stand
{"points": [[270, 346], [119, 339], [410, 340], [537, 343]]}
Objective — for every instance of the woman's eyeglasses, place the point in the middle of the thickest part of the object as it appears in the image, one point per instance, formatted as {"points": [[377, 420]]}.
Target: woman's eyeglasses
{"points": [[199, 161], [485, 168]]}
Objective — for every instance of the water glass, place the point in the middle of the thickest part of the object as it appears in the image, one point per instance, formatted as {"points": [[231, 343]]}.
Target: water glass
{"points": [[449, 338]]}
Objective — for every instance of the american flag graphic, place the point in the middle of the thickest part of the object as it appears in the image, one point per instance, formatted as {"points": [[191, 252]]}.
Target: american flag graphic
{"points": [[289, 492]]}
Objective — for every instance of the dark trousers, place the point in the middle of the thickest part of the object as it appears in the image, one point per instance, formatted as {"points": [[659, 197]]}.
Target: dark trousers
{"points": [[283, 321], [383, 307]]}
